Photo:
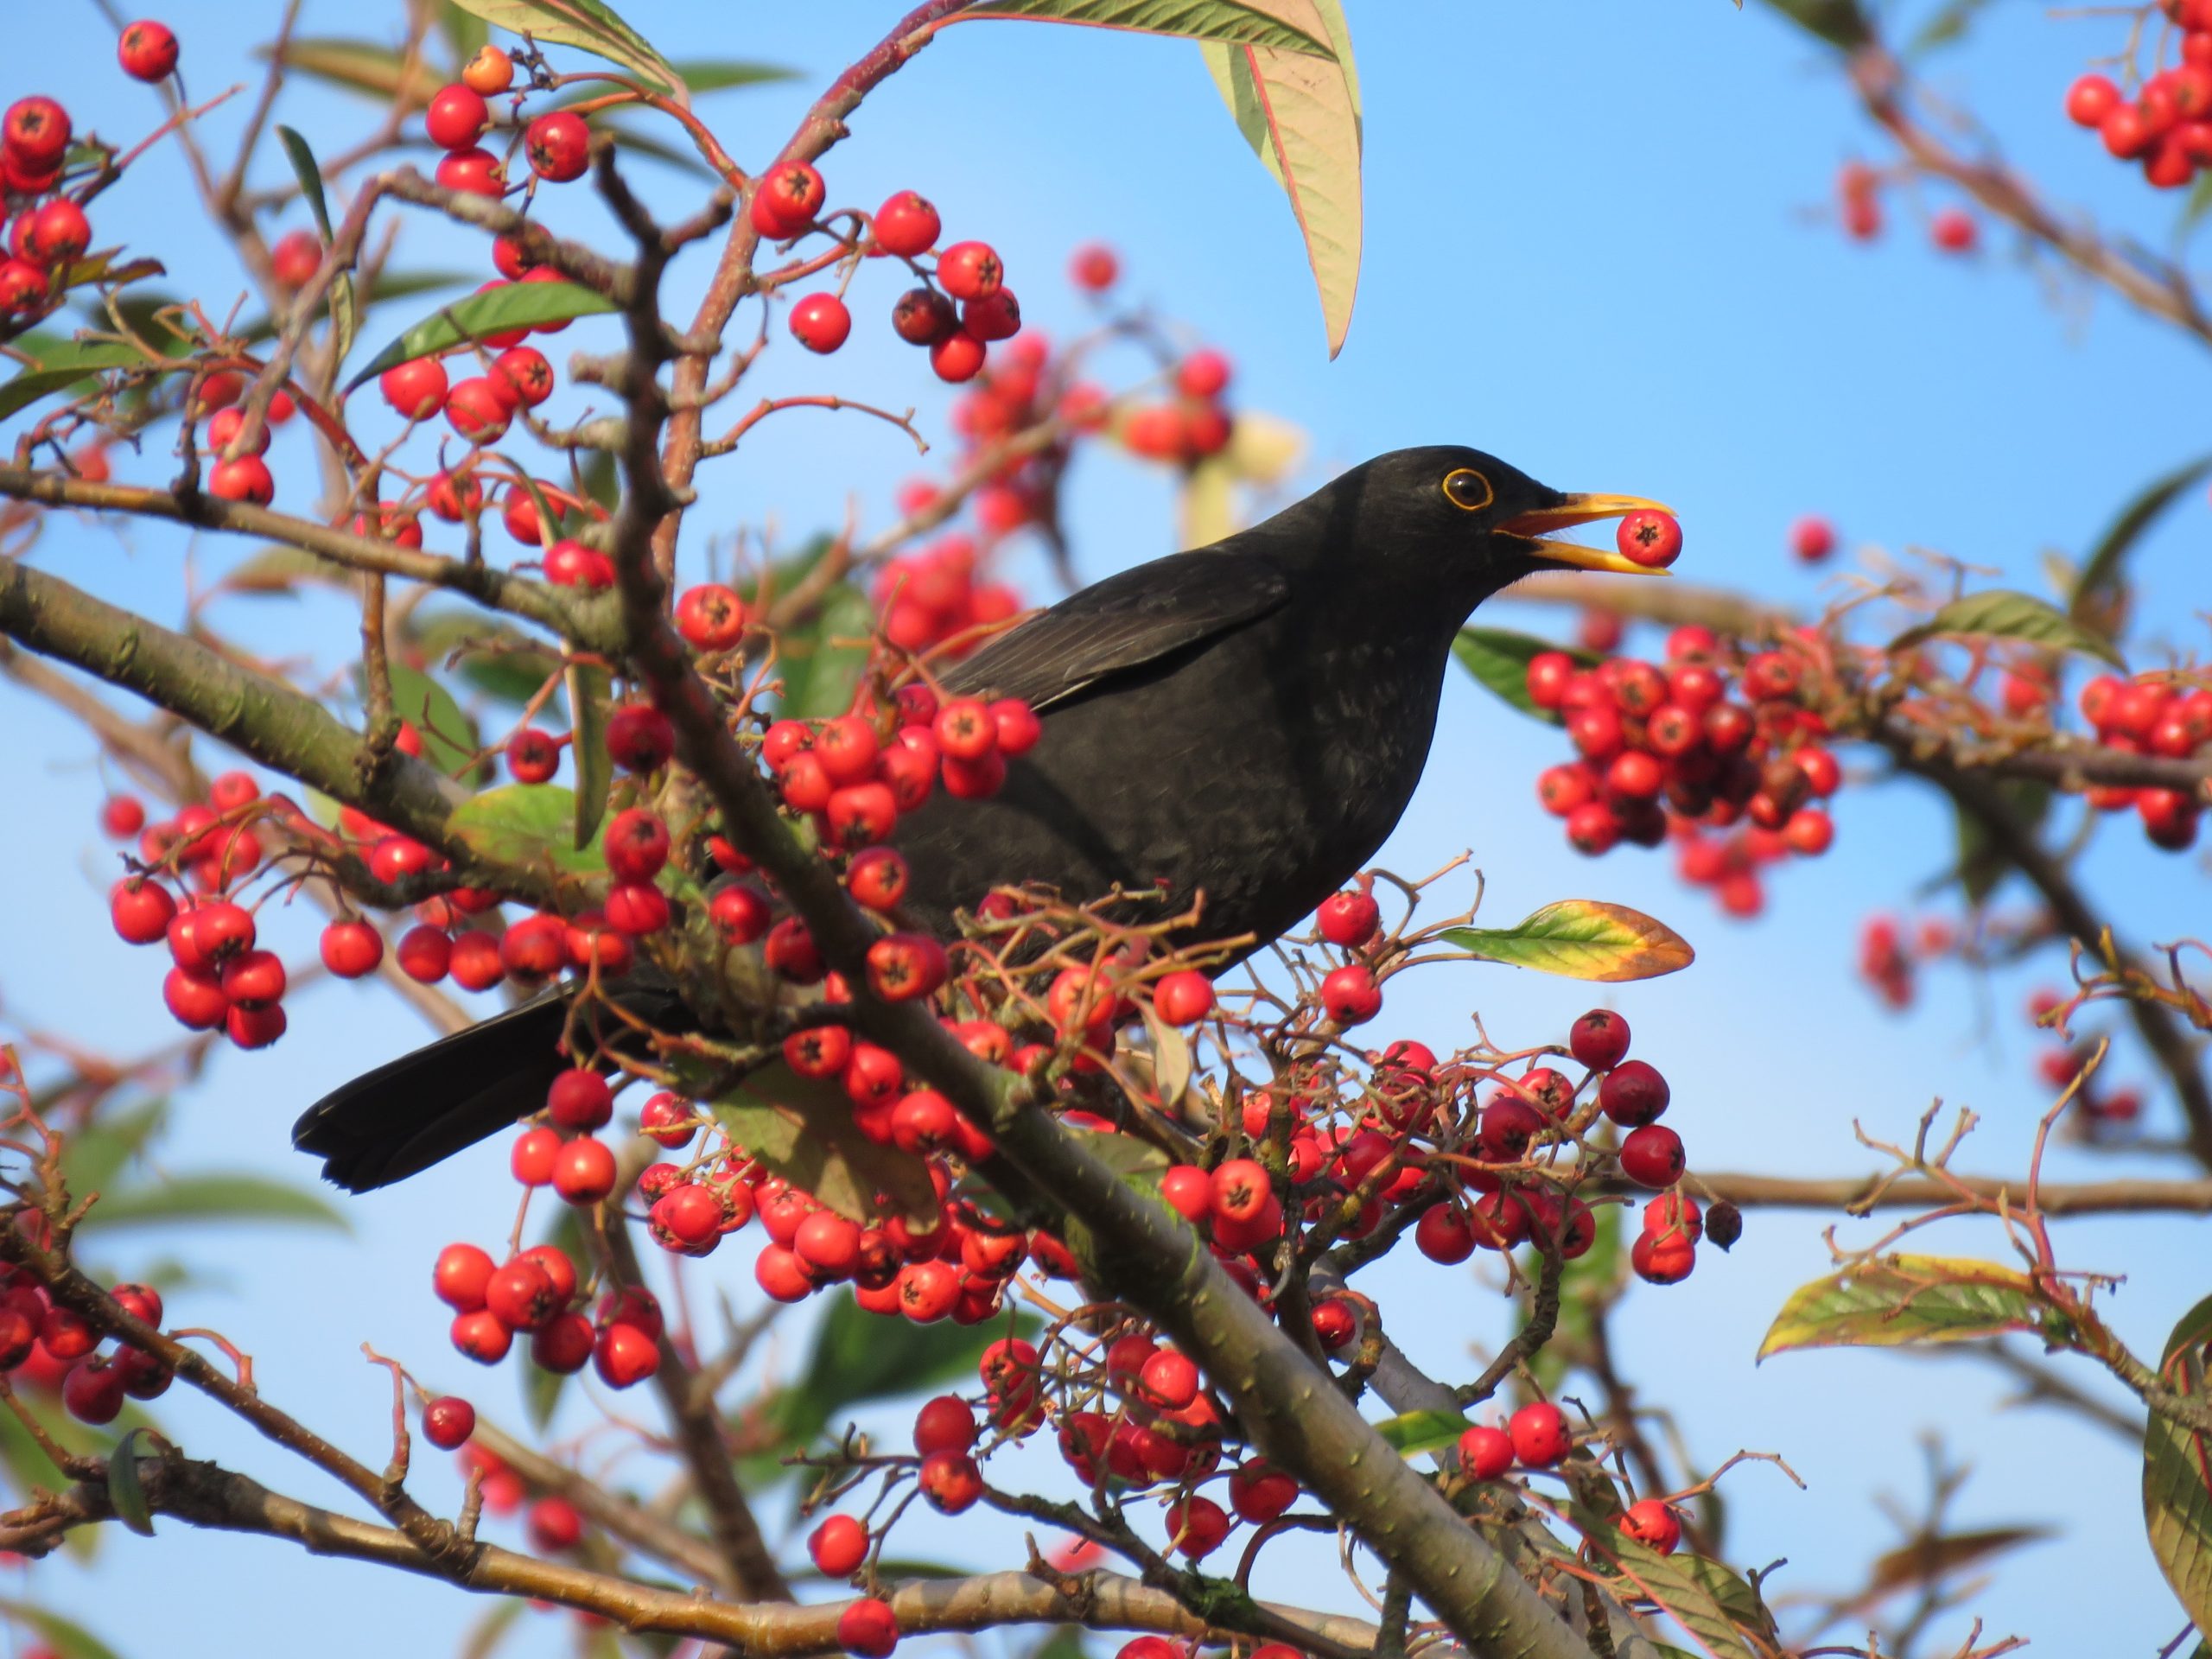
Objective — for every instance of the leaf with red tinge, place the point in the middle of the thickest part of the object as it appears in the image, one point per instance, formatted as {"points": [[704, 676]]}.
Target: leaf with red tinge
{"points": [[2177, 1471], [1925, 1561], [1581, 938], [124, 1490], [1893, 1300], [589, 26], [1300, 113], [495, 311], [1999, 613]]}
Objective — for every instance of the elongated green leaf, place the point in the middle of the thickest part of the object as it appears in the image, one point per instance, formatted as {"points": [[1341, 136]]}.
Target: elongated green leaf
{"points": [[124, 1489], [389, 285], [1687, 1588], [1279, 25], [1981, 865], [2000, 614], [532, 825], [1947, 25], [823, 661], [448, 736], [361, 67], [802, 1129], [1413, 1433], [216, 1198], [1301, 115], [514, 305], [2177, 1471], [858, 1356], [1896, 1299], [2193, 210], [700, 75], [94, 1155], [1587, 1287], [1840, 22], [2100, 574], [495, 657], [590, 27], [589, 690], [1499, 658], [1582, 938], [68, 1639], [308, 171], [69, 366]]}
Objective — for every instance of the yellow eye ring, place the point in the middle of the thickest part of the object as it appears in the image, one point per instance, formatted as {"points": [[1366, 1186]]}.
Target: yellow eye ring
{"points": [[1468, 490]]}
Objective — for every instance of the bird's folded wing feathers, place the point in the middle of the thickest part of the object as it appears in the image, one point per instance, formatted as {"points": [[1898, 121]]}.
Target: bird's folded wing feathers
{"points": [[1128, 619]]}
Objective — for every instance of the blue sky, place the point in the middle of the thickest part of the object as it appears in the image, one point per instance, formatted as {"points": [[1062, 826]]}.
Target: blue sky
{"points": [[1595, 247]]}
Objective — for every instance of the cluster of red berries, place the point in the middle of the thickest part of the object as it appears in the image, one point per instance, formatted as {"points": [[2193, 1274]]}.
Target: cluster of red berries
{"points": [[1538, 1436], [557, 144], [2150, 714], [932, 598], [45, 1345], [1188, 427], [536, 1294], [1858, 205], [2167, 125], [1665, 751]]}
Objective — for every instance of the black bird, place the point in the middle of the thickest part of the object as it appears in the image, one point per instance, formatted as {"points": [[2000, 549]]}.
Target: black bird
{"points": [[1245, 721]]}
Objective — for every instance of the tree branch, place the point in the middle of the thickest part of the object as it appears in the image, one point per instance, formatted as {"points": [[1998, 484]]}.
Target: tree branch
{"points": [[1921, 1193]]}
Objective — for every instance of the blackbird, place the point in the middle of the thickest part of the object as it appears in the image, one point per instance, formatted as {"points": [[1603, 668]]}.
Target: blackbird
{"points": [[1239, 726]]}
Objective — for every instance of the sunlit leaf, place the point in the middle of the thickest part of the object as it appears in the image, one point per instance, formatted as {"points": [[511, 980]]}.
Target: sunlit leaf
{"points": [[448, 736], [588, 25], [68, 1640], [124, 1490], [2177, 1471], [1301, 114], [1410, 1433], [1499, 659], [1582, 938], [361, 67], [1170, 1058], [1203, 509], [510, 306], [1280, 25], [2000, 614], [2100, 574], [69, 365], [215, 1197], [532, 826], [92, 1157], [1896, 1299], [309, 172], [590, 688], [1707, 1600], [802, 1129]]}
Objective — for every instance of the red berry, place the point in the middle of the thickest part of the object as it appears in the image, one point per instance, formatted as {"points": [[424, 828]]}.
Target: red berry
{"points": [[1539, 1434], [1349, 995], [1633, 1094], [1183, 998], [56, 233], [996, 316], [456, 117], [2090, 99], [1169, 1380], [820, 323], [522, 373], [624, 1355], [1095, 267], [1653, 1524], [1651, 540], [1485, 1454], [532, 755], [1652, 1156], [710, 617], [475, 410], [906, 225], [1349, 920], [922, 316], [36, 132], [789, 196], [559, 146], [247, 479], [447, 1421], [147, 51], [639, 738], [1599, 1039], [1198, 1525], [1664, 1258], [1953, 230], [140, 910], [838, 1546], [959, 357], [583, 1173], [474, 171], [867, 1628], [969, 270], [637, 844]]}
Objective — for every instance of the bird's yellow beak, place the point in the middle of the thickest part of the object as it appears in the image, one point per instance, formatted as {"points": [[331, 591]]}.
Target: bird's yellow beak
{"points": [[1583, 510]]}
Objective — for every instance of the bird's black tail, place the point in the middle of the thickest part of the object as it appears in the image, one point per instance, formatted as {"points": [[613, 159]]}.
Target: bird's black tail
{"points": [[424, 1107]]}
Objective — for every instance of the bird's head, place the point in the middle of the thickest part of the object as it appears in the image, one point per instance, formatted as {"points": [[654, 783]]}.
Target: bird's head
{"points": [[1451, 517]]}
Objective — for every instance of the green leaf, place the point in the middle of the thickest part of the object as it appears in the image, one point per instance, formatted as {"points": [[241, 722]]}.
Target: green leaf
{"points": [[590, 27], [1586, 1287], [448, 736], [220, 1196], [1499, 658], [590, 688], [495, 658], [93, 1156], [1897, 1299], [309, 174], [1413, 1433], [1582, 938], [1981, 866], [2177, 1471], [360, 67], [699, 75], [821, 661], [1279, 25], [512, 305], [1300, 113], [70, 365], [2100, 577], [1840, 22], [389, 285], [67, 1639], [858, 1356], [2001, 613], [802, 1129], [530, 825], [1692, 1590], [2198, 204], [124, 1490], [602, 478], [1949, 24], [467, 35]]}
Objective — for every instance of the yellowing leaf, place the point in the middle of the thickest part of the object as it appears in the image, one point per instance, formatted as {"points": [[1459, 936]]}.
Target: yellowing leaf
{"points": [[1896, 1299], [588, 25], [2177, 1472], [1719, 1609], [1300, 113], [1582, 938], [1263, 448], [2000, 614]]}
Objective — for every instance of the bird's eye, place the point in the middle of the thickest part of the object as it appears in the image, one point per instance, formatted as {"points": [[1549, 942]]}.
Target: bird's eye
{"points": [[1468, 489]]}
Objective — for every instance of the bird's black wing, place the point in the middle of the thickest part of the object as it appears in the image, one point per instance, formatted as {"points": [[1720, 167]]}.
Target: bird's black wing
{"points": [[1130, 619]]}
